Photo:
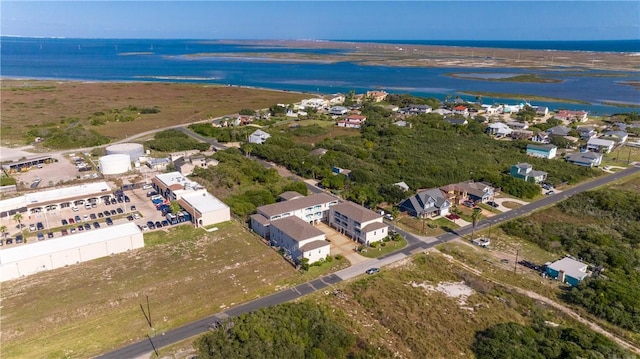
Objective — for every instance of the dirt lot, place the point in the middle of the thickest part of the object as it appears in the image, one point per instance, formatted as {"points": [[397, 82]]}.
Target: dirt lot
{"points": [[28, 103]]}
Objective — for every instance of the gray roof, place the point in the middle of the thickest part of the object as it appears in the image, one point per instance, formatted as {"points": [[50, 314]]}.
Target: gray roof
{"points": [[559, 131], [583, 157], [296, 228], [260, 219], [374, 226], [425, 201], [541, 147], [356, 212], [289, 195], [314, 245], [260, 133], [600, 142], [298, 203]]}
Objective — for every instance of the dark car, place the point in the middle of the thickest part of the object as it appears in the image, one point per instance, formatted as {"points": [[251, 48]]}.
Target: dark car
{"points": [[92, 216], [96, 225], [40, 236], [113, 212], [151, 225], [493, 204], [372, 270], [109, 221], [64, 222], [165, 223], [100, 215], [119, 210], [107, 201], [133, 208], [127, 199], [9, 241], [50, 235], [130, 217], [87, 226], [80, 228], [64, 232], [19, 238], [40, 226], [78, 219], [120, 200], [158, 224], [71, 221], [107, 213]]}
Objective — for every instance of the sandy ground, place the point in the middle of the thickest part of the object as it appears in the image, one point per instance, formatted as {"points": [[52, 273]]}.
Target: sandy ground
{"points": [[340, 244], [12, 154]]}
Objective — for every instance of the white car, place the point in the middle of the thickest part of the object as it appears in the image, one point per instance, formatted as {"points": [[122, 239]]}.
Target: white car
{"points": [[75, 209], [32, 227]]}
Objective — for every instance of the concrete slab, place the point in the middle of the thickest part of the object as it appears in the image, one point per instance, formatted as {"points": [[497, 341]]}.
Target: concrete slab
{"points": [[341, 244]]}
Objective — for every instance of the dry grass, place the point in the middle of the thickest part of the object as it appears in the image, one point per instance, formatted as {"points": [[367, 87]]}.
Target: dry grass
{"points": [[92, 307], [27, 103]]}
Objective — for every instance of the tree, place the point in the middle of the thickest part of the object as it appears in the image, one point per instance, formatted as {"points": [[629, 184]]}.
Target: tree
{"points": [[175, 207], [395, 212], [475, 218], [247, 112], [3, 229], [18, 218]]}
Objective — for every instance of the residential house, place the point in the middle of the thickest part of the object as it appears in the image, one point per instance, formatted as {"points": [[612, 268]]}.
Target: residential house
{"points": [[461, 110], [338, 110], [352, 121], [587, 159], [492, 110], [340, 171], [175, 155], [259, 137], [542, 151], [600, 145], [560, 131], [526, 172], [586, 132], [186, 165], [337, 99], [243, 120], [316, 103], [289, 195], [299, 239], [573, 116], [521, 134], [415, 109], [442, 111], [541, 137], [311, 209], [515, 125], [377, 96], [567, 270], [457, 121], [363, 225], [468, 191], [499, 129], [427, 203], [512, 108], [618, 136], [541, 111]]}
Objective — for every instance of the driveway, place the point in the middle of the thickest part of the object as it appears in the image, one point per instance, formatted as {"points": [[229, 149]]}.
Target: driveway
{"points": [[500, 202], [341, 244]]}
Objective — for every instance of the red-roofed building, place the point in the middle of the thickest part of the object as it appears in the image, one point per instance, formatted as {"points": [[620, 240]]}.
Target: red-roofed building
{"points": [[352, 121], [461, 110]]}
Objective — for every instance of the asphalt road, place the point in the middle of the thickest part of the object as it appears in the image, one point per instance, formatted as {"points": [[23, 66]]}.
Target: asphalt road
{"points": [[416, 244]]}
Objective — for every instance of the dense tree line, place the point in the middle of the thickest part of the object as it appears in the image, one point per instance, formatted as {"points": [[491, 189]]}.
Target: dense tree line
{"points": [[174, 140], [404, 100], [292, 330], [608, 234], [223, 134], [542, 341], [432, 153]]}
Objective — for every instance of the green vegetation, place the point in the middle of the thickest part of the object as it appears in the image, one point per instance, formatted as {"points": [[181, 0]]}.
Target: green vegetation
{"points": [[293, 330], [542, 341], [403, 100], [432, 153], [222, 134], [73, 135], [7, 181], [174, 140], [245, 184], [390, 244], [515, 78], [602, 228], [247, 112], [126, 114]]}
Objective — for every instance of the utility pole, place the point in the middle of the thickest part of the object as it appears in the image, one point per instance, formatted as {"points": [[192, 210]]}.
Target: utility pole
{"points": [[515, 265]]}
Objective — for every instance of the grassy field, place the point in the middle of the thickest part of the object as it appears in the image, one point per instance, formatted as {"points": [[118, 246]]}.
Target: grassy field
{"points": [[83, 310], [45, 104], [621, 156]]}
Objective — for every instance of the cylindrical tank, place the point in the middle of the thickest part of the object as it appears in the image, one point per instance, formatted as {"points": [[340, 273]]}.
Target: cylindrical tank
{"points": [[114, 164], [133, 150]]}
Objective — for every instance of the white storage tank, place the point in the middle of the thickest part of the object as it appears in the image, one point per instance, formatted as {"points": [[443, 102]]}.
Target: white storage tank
{"points": [[114, 164], [133, 150]]}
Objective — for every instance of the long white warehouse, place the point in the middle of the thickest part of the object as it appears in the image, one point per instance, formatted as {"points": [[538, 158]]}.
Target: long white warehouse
{"points": [[56, 253]]}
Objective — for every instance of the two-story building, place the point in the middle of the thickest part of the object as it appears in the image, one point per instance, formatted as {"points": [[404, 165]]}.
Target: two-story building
{"points": [[468, 191], [427, 203], [363, 225], [352, 121], [526, 172], [600, 145], [542, 151], [586, 159], [299, 239], [259, 137]]}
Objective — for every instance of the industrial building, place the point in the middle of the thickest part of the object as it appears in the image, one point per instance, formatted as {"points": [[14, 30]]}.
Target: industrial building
{"points": [[115, 164], [60, 252], [133, 150]]}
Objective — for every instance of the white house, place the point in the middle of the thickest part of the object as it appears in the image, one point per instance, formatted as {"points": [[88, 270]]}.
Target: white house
{"points": [[542, 151], [363, 225], [300, 239], [600, 145], [499, 129], [587, 159], [259, 137]]}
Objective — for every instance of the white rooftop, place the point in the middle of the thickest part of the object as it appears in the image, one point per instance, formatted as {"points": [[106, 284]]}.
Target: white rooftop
{"points": [[172, 178], [571, 267], [54, 195], [15, 254], [204, 202], [600, 142]]}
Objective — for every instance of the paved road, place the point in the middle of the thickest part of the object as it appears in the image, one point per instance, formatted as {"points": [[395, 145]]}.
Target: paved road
{"points": [[416, 244]]}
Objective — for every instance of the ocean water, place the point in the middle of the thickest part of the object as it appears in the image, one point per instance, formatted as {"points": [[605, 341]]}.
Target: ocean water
{"points": [[169, 61]]}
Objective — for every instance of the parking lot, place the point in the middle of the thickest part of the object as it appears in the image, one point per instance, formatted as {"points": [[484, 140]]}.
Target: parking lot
{"points": [[82, 217]]}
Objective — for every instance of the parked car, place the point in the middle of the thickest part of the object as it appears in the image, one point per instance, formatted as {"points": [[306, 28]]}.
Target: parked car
{"points": [[78, 219], [165, 223], [93, 216], [80, 228], [40, 236], [119, 210], [40, 226], [32, 227], [71, 221], [127, 199], [493, 204], [372, 270], [87, 226], [100, 215], [113, 212], [64, 222], [73, 230], [468, 204], [106, 213], [130, 217], [64, 232], [50, 235], [75, 209], [133, 208], [96, 225], [158, 224], [151, 225], [109, 221], [9, 241], [549, 193], [85, 218], [19, 238]]}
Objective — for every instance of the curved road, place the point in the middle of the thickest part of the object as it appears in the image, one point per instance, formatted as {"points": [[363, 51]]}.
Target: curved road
{"points": [[416, 244]]}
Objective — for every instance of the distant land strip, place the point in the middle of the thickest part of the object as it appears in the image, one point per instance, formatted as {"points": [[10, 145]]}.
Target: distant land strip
{"points": [[507, 78], [526, 97]]}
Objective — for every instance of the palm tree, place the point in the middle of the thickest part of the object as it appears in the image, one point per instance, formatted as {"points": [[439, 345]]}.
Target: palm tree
{"points": [[395, 212], [18, 218], [475, 218], [3, 229]]}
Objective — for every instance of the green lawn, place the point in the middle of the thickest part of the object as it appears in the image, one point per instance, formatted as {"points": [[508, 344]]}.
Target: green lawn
{"points": [[384, 248]]}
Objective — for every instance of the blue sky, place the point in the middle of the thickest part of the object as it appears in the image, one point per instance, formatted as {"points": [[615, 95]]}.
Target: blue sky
{"points": [[350, 20]]}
